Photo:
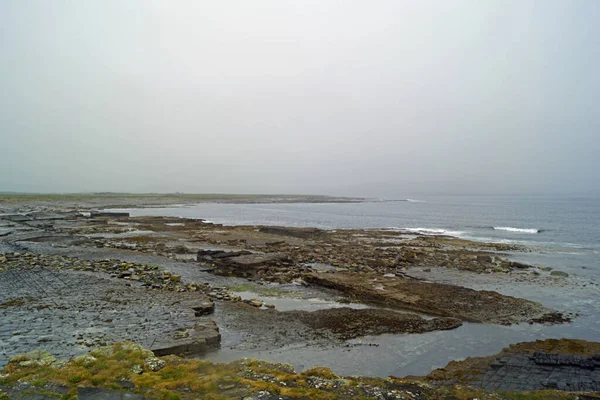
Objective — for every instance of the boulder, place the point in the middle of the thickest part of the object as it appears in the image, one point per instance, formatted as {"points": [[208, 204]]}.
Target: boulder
{"points": [[196, 340]]}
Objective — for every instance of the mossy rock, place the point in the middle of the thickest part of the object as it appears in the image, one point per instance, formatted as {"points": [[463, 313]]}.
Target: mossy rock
{"points": [[40, 358]]}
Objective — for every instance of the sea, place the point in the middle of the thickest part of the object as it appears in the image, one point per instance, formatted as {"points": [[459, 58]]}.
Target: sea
{"points": [[562, 233]]}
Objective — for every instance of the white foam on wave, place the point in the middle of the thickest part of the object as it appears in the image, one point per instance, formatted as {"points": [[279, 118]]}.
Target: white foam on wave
{"points": [[516, 230], [429, 231]]}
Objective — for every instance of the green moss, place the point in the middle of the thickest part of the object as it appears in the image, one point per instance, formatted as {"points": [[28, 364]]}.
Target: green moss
{"points": [[321, 372], [186, 379]]}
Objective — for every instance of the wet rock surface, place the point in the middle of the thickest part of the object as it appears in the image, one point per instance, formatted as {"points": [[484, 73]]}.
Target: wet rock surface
{"points": [[92, 281], [348, 323], [565, 365], [434, 298], [520, 372], [44, 304]]}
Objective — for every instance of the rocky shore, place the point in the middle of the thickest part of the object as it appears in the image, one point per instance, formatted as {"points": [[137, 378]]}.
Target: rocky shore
{"points": [[568, 365], [128, 371], [72, 279]]}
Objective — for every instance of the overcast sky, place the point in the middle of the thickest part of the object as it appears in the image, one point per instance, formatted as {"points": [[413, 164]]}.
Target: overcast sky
{"points": [[376, 98]]}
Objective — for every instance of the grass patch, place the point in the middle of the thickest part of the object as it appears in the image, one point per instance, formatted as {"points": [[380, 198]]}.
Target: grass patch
{"points": [[197, 379]]}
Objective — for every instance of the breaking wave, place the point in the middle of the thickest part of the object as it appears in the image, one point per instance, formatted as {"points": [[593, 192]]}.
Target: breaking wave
{"points": [[517, 230], [429, 231]]}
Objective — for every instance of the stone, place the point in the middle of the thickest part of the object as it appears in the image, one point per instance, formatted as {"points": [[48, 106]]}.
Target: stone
{"points": [[255, 303], [197, 340], [114, 214], [204, 308], [484, 258], [85, 359], [154, 364], [35, 357], [518, 265], [137, 369]]}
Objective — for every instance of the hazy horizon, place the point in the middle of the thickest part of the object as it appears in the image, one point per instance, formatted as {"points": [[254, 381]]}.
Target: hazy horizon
{"points": [[385, 99]]}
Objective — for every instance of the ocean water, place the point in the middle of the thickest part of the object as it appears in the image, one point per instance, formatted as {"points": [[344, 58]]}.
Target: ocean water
{"points": [[563, 233]]}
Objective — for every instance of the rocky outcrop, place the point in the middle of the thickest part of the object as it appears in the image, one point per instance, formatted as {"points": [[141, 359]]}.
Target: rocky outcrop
{"points": [[268, 266], [432, 298], [565, 364], [141, 375], [349, 323], [303, 233], [112, 214], [196, 340], [65, 302]]}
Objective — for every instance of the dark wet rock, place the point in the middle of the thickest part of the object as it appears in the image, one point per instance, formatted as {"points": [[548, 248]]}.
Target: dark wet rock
{"points": [[348, 323], [210, 255], [124, 274], [551, 318], [180, 249], [518, 265], [293, 232], [267, 266], [566, 365], [113, 214], [432, 298], [567, 359]]}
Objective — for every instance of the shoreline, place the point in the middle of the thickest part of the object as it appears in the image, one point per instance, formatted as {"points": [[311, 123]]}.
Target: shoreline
{"points": [[401, 278]]}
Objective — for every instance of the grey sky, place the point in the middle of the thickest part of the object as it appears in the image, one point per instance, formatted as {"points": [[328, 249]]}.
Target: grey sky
{"points": [[377, 98]]}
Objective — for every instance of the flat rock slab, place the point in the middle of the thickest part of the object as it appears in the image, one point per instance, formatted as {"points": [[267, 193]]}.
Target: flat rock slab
{"points": [[16, 218], [540, 365], [349, 323], [67, 312], [303, 233], [246, 264], [188, 341], [113, 214], [433, 298]]}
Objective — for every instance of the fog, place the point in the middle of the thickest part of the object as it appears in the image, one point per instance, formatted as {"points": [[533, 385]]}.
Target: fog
{"points": [[365, 98]]}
